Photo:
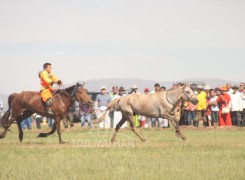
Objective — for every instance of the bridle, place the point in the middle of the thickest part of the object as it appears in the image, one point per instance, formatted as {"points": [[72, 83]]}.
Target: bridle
{"points": [[188, 98], [74, 93]]}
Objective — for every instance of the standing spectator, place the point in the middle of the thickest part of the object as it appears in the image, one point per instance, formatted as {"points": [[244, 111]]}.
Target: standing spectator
{"points": [[243, 106], [146, 119], [201, 106], [69, 117], [134, 90], [218, 91], [157, 88], [114, 95], [101, 102], [229, 89], [241, 89], [163, 88], [191, 108], [50, 122], [114, 92], [236, 106], [86, 115], [214, 108], [223, 101], [184, 118], [208, 110], [38, 119], [207, 89], [118, 114], [155, 121], [26, 123]]}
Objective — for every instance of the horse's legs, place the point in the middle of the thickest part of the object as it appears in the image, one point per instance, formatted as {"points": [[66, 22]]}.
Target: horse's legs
{"points": [[25, 115], [49, 133], [21, 135], [119, 125], [57, 121], [175, 123], [6, 127], [131, 121]]}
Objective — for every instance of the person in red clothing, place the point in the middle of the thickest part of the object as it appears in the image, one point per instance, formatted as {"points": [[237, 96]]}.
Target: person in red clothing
{"points": [[223, 101], [208, 110]]}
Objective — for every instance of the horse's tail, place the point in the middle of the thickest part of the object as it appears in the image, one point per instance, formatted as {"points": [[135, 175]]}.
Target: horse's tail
{"points": [[6, 115], [111, 107]]}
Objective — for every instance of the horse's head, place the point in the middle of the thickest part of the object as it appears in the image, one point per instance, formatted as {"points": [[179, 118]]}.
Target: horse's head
{"points": [[189, 95], [81, 95]]}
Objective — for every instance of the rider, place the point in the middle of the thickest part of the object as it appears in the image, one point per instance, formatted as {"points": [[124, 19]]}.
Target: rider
{"points": [[47, 81]]}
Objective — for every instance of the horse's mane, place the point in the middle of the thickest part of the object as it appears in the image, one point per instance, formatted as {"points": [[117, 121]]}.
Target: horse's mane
{"points": [[66, 89], [181, 87]]}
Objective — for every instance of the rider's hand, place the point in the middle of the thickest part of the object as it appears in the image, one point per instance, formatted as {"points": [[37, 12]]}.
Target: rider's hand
{"points": [[59, 82]]}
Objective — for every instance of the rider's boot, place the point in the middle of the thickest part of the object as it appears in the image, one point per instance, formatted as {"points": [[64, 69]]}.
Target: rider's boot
{"points": [[48, 106]]}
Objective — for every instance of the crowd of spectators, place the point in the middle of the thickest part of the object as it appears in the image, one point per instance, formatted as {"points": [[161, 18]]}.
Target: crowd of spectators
{"points": [[220, 106], [217, 107]]}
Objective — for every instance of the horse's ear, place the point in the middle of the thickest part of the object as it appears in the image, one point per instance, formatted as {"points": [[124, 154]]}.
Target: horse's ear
{"points": [[77, 85]]}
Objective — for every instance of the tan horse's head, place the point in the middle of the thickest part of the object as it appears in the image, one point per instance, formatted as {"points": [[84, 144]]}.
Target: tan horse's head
{"points": [[189, 95], [81, 95]]}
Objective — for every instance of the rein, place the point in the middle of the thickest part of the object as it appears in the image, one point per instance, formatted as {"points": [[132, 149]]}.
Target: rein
{"points": [[56, 90], [168, 99]]}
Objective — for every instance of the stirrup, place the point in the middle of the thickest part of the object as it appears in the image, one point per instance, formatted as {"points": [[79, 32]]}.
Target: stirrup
{"points": [[49, 111]]}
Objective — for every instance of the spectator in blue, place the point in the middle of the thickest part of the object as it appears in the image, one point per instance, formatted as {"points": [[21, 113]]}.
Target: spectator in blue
{"points": [[26, 123], [86, 115], [50, 122]]}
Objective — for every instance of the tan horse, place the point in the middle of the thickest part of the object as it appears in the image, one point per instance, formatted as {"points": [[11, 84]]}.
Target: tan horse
{"points": [[158, 105], [23, 105]]}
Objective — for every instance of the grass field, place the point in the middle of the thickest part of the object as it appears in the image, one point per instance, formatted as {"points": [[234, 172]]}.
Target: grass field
{"points": [[209, 154]]}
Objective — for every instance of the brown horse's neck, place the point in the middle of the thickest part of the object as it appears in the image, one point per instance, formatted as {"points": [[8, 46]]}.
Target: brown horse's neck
{"points": [[174, 96], [65, 97]]}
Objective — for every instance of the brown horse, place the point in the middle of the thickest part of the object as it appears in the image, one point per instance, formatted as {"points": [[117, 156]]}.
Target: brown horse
{"points": [[23, 105], [158, 105]]}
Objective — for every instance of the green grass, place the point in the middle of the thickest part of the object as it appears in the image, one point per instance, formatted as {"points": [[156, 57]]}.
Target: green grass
{"points": [[209, 154]]}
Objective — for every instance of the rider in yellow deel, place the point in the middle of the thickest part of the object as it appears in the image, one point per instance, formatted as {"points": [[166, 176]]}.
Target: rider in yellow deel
{"points": [[47, 81]]}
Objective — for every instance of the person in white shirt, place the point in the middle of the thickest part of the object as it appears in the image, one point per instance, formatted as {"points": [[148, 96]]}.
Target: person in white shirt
{"points": [[230, 90], [117, 116], [241, 88], [243, 106], [114, 95], [214, 108], [101, 102], [155, 121], [236, 106]]}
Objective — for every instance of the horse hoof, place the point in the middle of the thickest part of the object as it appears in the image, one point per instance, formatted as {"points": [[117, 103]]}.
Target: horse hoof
{"points": [[143, 140], [63, 142], [21, 139], [185, 139]]}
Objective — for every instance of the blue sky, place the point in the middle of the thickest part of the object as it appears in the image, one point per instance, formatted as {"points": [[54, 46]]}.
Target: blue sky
{"points": [[159, 40]]}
